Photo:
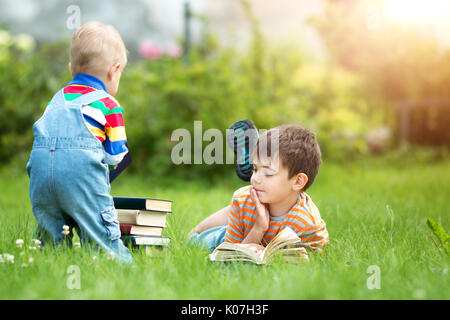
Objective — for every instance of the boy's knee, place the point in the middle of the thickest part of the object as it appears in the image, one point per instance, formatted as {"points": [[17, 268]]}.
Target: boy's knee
{"points": [[209, 239]]}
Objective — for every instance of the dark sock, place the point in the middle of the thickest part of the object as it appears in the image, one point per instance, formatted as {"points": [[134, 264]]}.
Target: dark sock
{"points": [[241, 137]]}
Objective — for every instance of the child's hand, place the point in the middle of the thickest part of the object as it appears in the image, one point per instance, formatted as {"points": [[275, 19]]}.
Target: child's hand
{"points": [[262, 213]]}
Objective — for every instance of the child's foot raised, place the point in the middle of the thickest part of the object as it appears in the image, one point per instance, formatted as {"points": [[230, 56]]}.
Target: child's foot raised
{"points": [[241, 137]]}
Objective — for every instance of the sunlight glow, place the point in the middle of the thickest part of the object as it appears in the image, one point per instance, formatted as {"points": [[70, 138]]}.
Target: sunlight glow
{"points": [[416, 11]]}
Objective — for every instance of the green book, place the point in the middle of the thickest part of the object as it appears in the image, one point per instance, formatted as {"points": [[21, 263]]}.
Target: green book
{"points": [[146, 241]]}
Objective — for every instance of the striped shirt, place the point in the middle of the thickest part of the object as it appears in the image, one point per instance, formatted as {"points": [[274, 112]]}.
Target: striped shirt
{"points": [[104, 118], [304, 218]]}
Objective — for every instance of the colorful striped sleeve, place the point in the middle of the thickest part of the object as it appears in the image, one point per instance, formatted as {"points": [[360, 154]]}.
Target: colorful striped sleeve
{"points": [[104, 119], [115, 139]]}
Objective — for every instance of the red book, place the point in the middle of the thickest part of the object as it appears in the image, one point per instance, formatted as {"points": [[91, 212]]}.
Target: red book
{"points": [[134, 230]]}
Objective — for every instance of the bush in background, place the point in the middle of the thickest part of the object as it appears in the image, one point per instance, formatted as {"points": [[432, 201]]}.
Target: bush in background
{"points": [[28, 80], [271, 86]]}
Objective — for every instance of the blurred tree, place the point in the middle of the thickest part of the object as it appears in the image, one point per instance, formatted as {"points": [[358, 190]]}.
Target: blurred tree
{"points": [[404, 70]]}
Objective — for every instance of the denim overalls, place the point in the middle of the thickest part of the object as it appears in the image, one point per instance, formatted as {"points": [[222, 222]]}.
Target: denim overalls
{"points": [[69, 183]]}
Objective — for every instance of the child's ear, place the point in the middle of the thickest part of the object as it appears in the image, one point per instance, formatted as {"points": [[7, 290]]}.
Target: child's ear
{"points": [[300, 181], [114, 68], [71, 71]]}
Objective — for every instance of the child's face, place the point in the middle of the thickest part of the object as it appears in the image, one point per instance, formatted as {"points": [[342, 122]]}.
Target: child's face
{"points": [[271, 181]]}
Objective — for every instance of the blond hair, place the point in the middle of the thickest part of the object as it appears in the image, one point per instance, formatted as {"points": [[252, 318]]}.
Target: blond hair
{"points": [[95, 47]]}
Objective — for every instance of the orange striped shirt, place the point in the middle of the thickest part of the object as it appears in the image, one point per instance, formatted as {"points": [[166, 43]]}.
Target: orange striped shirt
{"points": [[304, 218]]}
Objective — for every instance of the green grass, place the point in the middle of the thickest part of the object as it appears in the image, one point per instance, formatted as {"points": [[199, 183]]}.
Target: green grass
{"points": [[376, 215]]}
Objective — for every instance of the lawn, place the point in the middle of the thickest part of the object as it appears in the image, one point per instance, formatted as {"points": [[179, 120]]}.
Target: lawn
{"points": [[375, 213]]}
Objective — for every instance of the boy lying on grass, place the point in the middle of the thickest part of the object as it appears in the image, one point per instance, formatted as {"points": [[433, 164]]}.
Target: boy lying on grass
{"points": [[276, 197]]}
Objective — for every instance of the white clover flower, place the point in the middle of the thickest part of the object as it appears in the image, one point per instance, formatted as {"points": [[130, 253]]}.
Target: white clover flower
{"points": [[94, 258], [30, 260], [111, 256], [24, 42], [9, 258], [19, 243], [37, 243], [66, 230]]}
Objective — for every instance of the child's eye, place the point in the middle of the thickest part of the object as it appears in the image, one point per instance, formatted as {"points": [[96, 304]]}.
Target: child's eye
{"points": [[266, 174]]}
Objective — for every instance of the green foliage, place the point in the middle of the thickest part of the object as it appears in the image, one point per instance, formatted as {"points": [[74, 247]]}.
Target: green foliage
{"points": [[28, 80], [374, 214], [398, 65], [340, 100], [440, 233], [270, 85]]}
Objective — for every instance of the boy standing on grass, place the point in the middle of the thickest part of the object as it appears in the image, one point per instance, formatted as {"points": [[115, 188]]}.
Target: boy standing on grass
{"points": [[276, 198], [78, 139]]}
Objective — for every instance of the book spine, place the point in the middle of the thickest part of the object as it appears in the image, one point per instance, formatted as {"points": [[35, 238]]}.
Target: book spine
{"points": [[134, 230], [127, 216], [125, 228], [130, 203], [129, 240], [146, 240]]}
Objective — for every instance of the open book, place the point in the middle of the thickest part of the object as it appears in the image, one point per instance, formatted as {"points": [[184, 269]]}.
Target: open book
{"points": [[286, 243]]}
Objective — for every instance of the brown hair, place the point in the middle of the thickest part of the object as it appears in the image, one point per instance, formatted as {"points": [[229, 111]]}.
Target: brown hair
{"points": [[298, 150]]}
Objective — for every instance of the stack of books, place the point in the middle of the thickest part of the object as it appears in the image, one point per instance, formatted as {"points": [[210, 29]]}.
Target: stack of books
{"points": [[142, 220]]}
